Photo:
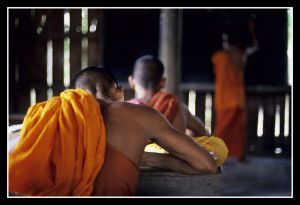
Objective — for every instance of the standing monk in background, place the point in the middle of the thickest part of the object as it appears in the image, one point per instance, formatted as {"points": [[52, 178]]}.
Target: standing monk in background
{"points": [[229, 66]]}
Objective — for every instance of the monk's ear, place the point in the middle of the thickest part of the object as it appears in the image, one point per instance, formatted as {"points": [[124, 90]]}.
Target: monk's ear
{"points": [[162, 83], [119, 94], [131, 82]]}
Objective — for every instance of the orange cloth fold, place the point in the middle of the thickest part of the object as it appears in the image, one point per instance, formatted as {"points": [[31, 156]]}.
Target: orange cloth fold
{"points": [[229, 92], [119, 175], [165, 103], [61, 148], [231, 127]]}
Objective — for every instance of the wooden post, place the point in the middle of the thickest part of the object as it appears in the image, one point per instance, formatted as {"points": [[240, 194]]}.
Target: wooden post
{"points": [[56, 21], [96, 37], [254, 143], [38, 68], [75, 43], [269, 106], [24, 56], [169, 48], [200, 104]]}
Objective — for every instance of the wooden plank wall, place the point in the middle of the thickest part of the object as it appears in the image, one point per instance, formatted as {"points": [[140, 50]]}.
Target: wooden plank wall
{"points": [[30, 31]]}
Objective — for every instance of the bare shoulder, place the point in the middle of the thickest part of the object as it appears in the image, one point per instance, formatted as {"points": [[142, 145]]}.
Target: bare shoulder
{"points": [[183, 107], [130, 107], [180, 121], [142, 119], [134, 111]]}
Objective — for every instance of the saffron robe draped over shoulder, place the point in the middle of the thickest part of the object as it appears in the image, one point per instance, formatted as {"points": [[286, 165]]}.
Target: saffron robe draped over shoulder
{"points": [[62, 147], [164, 102], [118, 176]]}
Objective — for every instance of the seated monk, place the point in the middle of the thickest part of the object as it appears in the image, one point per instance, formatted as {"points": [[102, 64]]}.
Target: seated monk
{"points": [[147, 81], [85, 142]]}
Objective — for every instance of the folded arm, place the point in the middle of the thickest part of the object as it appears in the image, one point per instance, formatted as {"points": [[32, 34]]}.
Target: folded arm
{"points": [[179, 145], [168, 162], [254, 47], [194, 123]]}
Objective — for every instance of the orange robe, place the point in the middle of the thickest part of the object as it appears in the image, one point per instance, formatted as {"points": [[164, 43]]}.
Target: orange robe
{"points": [[119, 175], [60, 152], [230, 104], [165, 103]]}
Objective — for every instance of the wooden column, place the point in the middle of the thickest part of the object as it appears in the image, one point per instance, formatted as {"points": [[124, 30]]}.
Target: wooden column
{"points": [[200, 104], [96, 38], [170, 46], [75, 43], [56, 21], [254, 143], [24, 56], [38, 68], [269, 106]]}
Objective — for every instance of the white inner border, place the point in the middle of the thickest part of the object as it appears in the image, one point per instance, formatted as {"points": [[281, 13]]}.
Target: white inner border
{"points": [[292, 187]]}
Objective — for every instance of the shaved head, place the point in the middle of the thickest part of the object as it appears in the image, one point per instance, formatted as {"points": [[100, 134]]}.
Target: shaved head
{"points": [[95, 79], [148, 71]]}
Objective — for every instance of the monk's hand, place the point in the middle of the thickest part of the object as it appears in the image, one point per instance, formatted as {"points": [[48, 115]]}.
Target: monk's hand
{"points": [[213, 155], [150, 142]]}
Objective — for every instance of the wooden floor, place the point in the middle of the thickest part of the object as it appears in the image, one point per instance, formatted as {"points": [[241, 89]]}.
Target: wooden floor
{"points": [[258, 176]]}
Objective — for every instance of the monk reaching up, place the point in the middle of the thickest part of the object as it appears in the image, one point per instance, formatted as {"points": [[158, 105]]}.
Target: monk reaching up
{"points": [[86, 142], [230, 97]]}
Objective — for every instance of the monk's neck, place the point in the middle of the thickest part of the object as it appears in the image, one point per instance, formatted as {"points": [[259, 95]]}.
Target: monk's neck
{"points": [[103, 103], [144, 95]]}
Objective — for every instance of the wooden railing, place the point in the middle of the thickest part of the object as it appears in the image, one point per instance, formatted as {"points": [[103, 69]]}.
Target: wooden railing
{"points": [[268, 116]]}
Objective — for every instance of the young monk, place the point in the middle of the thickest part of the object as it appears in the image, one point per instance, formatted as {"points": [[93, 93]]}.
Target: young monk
{"points": [[147, 81], [78, 144]]}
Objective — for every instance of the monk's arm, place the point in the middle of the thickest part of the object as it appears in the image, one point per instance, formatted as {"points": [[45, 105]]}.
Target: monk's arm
{"points": [[168, 162], [180, 145], [194, 123], [254, 47]]}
